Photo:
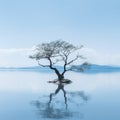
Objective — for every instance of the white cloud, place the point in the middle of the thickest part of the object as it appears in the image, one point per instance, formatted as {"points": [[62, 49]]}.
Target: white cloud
{"points": [[15, 57], [19, 57], [96, 57]]}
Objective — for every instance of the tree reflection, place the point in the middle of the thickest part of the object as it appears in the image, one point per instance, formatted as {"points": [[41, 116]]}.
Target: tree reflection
{"points": [[57, 109], [60, 87]]}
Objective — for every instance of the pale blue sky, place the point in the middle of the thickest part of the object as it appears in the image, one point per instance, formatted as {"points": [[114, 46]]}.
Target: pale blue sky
{"points": [[93, 23]]}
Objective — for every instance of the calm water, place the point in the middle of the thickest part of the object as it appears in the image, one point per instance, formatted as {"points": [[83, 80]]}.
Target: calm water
{"points": [[28, 96]]}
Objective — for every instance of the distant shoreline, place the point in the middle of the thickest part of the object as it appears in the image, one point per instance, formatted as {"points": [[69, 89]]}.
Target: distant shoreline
{"points": [[92, 70]]}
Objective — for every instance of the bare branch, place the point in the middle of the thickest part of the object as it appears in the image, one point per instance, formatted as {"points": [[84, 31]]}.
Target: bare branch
{"points": [[57, 61], [76, 58], [72, 60], [42, 65]]}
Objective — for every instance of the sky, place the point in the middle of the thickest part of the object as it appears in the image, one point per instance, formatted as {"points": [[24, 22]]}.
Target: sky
{"points": [[92, 23]]}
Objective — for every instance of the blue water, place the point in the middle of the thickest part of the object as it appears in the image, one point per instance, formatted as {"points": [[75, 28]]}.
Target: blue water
{"points": [[26, 96]]}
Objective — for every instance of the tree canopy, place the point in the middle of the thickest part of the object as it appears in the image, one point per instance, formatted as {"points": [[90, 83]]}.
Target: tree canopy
{"points": [[55, 52]]}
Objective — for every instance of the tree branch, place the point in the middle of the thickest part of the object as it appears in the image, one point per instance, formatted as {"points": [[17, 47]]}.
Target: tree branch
{"points": [[77, 57], [65, 64], [55, 69], [42, 65], [57, 60]]}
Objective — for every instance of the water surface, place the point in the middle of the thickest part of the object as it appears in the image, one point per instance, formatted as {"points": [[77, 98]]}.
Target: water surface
{"points": [[28, 96]]}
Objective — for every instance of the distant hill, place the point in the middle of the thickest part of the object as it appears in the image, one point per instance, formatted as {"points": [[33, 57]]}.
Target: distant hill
{"points": [[93, 69], [100, 69]]}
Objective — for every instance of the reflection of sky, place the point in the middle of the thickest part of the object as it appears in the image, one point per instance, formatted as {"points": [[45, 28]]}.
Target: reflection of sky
{"points": [[37, 82], [19, 89]]}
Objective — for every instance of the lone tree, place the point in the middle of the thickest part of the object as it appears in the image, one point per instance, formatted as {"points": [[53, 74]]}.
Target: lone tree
{"points": [[56, 52]]}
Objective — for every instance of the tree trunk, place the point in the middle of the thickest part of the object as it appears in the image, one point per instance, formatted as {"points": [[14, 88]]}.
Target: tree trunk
{"points": [[60, 76]]}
